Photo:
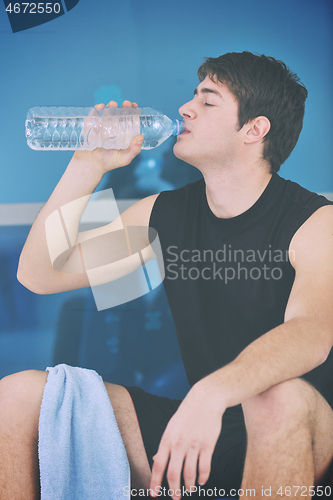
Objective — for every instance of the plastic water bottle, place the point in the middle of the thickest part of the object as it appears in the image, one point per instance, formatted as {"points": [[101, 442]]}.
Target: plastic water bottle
{"points": [[71, 128]]}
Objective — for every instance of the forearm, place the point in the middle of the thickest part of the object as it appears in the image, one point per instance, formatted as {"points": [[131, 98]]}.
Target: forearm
{"points": [[81, 177], [288, 351], [78, 182]]}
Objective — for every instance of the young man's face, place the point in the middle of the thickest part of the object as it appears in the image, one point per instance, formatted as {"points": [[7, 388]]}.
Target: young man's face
{"points": [[211, 120]]}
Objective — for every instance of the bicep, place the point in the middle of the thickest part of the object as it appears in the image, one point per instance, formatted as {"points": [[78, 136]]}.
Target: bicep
{"points": [[312, 250]]}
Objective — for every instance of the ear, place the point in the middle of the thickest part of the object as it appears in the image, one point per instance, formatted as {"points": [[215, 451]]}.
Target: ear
{"points": [[256, 129]]}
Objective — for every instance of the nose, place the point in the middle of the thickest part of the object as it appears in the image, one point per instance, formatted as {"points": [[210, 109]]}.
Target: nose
{"points": [[187, 110]]}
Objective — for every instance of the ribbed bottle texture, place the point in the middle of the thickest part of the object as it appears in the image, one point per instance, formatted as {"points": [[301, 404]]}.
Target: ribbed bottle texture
{"points": [[72, 128]]}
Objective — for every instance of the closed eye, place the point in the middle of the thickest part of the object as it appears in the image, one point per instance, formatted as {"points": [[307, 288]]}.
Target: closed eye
{"points": [[209, 105]]}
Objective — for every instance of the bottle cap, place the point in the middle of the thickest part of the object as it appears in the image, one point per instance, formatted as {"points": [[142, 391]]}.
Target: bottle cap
{"points": [[178, 127]]}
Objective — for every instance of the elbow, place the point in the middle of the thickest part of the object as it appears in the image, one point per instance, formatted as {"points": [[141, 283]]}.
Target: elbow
{"points": [[328, 348], [320, 339], [31, 284], [328, 336]]}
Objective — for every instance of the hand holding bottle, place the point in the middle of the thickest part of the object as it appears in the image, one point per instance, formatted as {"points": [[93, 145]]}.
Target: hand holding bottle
{"points": [[110, 159]]}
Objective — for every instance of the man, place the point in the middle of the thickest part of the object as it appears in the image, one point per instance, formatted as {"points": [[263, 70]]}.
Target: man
{"points": [[253, 316]]}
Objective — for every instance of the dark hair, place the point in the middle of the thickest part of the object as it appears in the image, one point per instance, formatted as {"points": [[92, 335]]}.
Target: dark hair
{"points": [[263, 86]]}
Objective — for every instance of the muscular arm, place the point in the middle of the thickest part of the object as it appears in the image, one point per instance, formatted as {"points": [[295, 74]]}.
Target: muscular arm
{"points": [[47, 237], [292, 349], [305, 339]]}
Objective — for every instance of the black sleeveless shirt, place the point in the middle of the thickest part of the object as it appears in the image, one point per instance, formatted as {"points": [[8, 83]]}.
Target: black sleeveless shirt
{"points": [[228, 280]]}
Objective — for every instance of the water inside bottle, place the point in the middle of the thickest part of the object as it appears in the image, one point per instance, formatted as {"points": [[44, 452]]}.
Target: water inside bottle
{"points": [[72, 128]]}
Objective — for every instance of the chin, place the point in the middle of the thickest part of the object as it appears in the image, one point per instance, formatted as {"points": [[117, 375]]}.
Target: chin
{"points": [[180, 152]]}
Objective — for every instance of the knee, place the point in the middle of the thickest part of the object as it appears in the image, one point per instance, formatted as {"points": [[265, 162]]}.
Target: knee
{"points": [[21, 396], [284, 405]]}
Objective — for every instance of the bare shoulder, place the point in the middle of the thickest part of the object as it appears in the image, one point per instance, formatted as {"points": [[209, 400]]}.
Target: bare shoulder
{"points": [[314, 239], [323, 215], [138, 214]]}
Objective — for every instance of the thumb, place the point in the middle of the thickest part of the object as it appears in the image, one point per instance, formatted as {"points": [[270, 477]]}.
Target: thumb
{"points": [[127, 155], [137, 142]]}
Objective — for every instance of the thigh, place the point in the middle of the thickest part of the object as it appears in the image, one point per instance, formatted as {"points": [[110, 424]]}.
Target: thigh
{"points": [[20, 401], [322, 439], [320, 415], [287, 405], [129, 428], [21, 397]]}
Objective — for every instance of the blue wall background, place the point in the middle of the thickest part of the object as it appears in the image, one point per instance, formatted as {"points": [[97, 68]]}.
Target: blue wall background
{"points": [[147, 51]]}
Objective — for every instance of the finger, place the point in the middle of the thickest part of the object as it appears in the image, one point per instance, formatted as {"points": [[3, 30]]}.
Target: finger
{"points": [[160, 462], [100, 106], [190, 468], [205, 460], [125, 156], [174, 472], [112, 104], [136, 144], [134, 105], [126, 104]]}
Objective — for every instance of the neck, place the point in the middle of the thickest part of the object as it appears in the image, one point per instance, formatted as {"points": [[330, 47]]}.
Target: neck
{"points": [[232, 192]]}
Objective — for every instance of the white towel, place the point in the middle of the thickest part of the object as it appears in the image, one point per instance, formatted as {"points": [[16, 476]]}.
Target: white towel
{"points": [[81, 452]]}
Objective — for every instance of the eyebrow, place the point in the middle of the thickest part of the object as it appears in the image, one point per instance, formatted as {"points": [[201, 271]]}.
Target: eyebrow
{"points": [[206, 90]]}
